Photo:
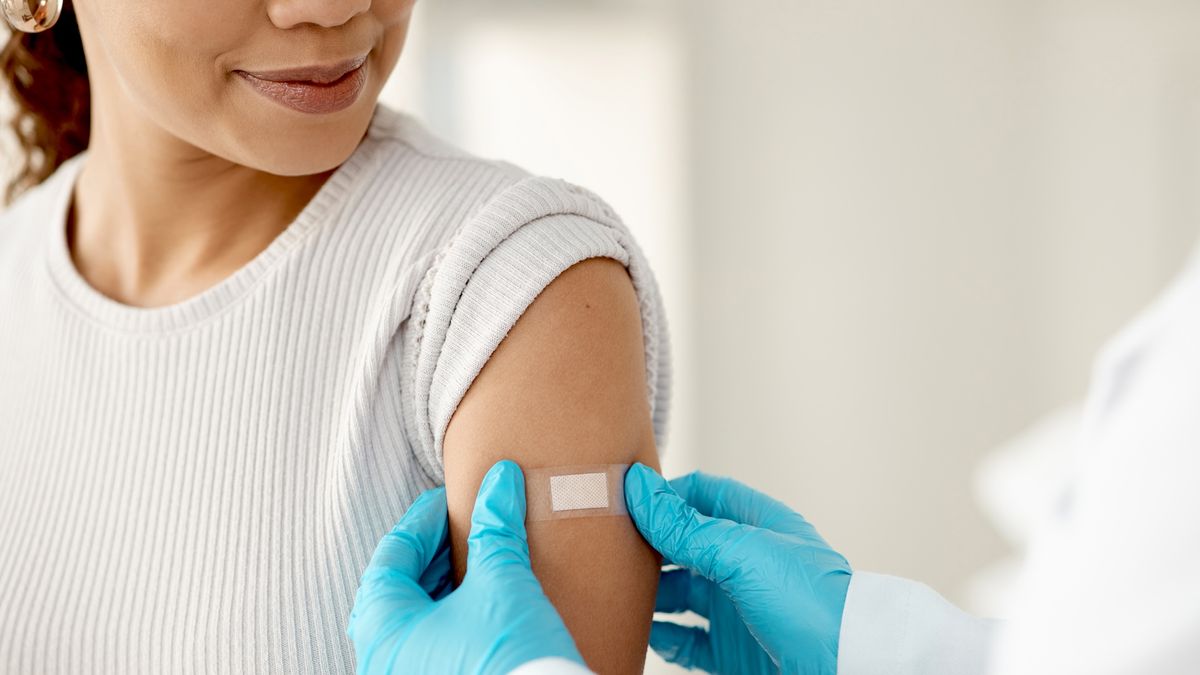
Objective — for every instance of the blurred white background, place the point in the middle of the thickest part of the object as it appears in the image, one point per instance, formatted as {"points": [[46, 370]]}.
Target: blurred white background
{"points": [[891, 235]]}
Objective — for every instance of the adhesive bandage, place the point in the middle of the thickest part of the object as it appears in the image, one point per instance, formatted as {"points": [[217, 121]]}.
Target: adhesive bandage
{"points": [[576, 491]]}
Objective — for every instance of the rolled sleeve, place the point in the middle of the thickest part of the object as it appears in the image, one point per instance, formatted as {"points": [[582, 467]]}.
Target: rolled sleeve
{"points": [[482, 281]]}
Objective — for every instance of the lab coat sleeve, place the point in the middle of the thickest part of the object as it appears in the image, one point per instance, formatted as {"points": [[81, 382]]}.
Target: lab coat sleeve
{"points": [[894, 626], [551, 666]]}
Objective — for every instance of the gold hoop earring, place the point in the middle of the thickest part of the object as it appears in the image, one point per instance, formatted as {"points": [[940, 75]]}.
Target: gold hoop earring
{"points": [[32, 16]]}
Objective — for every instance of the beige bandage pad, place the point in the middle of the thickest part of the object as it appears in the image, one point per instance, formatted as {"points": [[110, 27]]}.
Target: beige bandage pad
{"points": [[577, 491]]}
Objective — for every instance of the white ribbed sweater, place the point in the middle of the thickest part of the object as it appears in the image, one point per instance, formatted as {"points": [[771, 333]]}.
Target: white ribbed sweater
{"points": [[197, 488]]}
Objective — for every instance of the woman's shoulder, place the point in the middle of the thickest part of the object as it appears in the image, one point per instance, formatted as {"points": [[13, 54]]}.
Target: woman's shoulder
{"points": [[420, 188], [26, 219], [408, 154], [456, 203], [403, 128], [480, 272]]}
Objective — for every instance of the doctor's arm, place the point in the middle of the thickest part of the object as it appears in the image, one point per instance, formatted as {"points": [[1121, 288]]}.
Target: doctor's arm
{"points": [[903, 627], [771, 587]]}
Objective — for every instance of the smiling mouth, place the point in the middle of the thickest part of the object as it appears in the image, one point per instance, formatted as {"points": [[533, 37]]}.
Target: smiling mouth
{"points": [[310, 95], [316, 74]]}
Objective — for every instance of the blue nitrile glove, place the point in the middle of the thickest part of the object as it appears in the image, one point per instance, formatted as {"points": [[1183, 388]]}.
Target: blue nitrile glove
{"points": [[405, 621], [768, 583]]}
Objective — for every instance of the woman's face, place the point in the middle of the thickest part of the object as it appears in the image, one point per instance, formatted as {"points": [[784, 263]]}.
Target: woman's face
{"points": [[169, 66]]}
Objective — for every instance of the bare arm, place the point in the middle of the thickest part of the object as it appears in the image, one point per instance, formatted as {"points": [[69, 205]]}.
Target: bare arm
{"points": [[567, 386]]}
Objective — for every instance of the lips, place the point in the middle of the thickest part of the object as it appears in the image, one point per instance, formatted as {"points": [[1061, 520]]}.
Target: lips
{"points": [[313, 89], [323, 74]]}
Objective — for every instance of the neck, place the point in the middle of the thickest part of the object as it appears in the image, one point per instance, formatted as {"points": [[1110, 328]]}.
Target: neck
{"points": [[156, 220]]}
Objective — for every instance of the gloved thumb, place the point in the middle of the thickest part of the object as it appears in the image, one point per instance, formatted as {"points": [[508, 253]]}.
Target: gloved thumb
{"points": [[389, 587], [682, 534], [497, 539]]}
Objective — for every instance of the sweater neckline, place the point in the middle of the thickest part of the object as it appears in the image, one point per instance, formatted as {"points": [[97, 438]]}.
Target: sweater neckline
{"points": [[101, 309]]}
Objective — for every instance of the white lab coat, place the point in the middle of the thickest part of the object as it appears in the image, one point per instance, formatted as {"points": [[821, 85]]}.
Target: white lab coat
{"points": [[1112, 582], [1111, 585]]}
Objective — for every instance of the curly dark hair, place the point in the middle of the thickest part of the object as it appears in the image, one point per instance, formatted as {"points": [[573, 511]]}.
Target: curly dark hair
{"points": [[48, 78]]}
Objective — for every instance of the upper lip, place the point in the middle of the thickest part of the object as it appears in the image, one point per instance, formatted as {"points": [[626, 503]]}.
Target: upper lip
{"points": [[317, 74]]}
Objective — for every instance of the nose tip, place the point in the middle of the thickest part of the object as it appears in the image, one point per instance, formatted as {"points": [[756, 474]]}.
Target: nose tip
{"points": [[325, 13]]}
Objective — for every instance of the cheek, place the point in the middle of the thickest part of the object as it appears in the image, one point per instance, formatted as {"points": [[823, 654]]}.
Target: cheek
{"points": [[387, 53], [395, 17], [171, 49]]}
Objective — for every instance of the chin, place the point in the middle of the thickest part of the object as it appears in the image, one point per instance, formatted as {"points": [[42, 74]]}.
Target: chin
{"points": [[304, 149]]}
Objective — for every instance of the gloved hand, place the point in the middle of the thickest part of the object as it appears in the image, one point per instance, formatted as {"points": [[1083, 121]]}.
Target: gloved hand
{"points": [[768, 583], [405, 618]]}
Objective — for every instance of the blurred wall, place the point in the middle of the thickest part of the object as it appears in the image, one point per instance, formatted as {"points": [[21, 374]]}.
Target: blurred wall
{"points": [[864, 260], [914, 223]]}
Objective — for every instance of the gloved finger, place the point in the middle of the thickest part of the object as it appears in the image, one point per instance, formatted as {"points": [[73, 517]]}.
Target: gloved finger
{"points": [[498, 539], [414, 542], [721, 497], [389, 590], [437, 579], [682, 534], [681, 590], [687, 646]]}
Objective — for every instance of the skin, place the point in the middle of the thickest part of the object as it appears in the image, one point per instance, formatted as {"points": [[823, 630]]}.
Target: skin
{"points": [[190, 173], [567, 386]]}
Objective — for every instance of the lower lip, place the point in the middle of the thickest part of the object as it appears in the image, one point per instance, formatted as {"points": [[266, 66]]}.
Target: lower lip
{"points": [[312, 98]]}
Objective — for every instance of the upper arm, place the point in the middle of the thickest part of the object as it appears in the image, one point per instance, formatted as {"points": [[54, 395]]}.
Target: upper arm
{"points": [[567, 385]]}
